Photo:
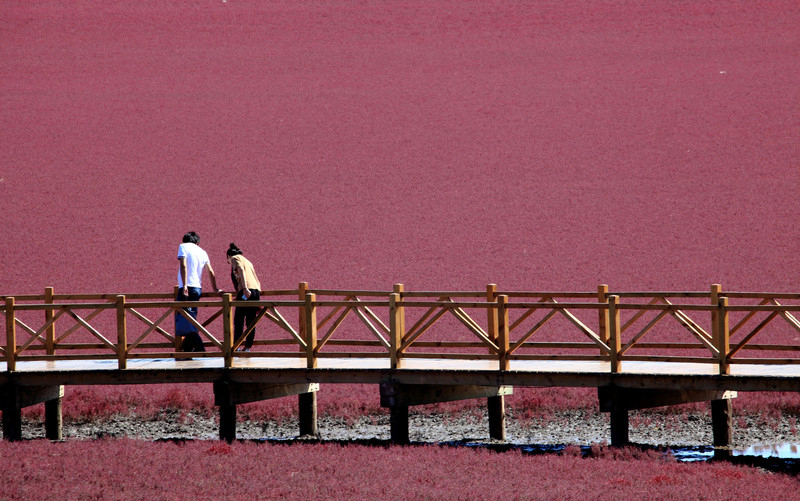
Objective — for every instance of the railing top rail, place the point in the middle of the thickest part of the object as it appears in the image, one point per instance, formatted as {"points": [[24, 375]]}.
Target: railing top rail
{"points": [[643, 294], [354, 292], [425, 294], [661, 307], [518, 294], [761, 295], [68, 306], [281, 292], [407, 294], [767, 307]]}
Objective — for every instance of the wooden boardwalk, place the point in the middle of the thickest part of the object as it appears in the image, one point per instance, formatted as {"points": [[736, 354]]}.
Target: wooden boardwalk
{"points": [[638, 349], [750, 377]]}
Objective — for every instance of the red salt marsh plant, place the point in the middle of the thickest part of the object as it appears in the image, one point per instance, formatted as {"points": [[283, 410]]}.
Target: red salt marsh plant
{"points": [[449, 144], [127, 470]]}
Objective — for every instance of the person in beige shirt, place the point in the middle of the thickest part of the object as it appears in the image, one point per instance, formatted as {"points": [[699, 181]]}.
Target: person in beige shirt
{"points": [[248, 288]]}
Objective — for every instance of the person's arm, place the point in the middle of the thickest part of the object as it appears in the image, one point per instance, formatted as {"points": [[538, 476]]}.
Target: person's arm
{"points": [[183, 273], [213, 278]]}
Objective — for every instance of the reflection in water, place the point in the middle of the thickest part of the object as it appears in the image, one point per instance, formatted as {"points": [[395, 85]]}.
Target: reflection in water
{"points": [[785, 451]]}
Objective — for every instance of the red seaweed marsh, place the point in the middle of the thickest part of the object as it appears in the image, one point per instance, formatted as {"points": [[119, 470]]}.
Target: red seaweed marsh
{"points": [[537, 145]]}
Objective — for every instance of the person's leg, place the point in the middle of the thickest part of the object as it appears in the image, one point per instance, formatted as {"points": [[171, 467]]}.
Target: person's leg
{"points": [[179, 319], [250, 317], [193, 341]]}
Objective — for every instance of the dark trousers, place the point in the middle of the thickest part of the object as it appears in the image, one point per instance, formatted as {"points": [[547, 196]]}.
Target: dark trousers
{"points": [[245, 316], [191, 340]]}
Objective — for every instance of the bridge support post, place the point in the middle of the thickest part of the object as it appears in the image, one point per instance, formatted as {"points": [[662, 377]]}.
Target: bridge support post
{"points": [[722, 426], [307, 411], [53, 420], [618, 401], [398, 423], [619, 426], [14, 398], [398, 397], [227, 423], [229, 394], [12, 423], [496, 407]]}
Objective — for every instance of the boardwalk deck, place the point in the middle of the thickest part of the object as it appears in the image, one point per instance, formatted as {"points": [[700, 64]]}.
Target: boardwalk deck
{"points": [[749, 377]]}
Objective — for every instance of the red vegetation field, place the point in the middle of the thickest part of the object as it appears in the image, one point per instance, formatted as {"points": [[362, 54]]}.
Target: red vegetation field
{"points": [[551, 145], [119, 470]]}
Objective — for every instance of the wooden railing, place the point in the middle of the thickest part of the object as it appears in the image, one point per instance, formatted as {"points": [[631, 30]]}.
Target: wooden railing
{"points": [[505, 326]]}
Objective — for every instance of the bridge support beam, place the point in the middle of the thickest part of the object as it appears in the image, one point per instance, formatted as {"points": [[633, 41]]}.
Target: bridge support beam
{"points": [[14, 398], [228, 394], [398, 397], [618, 401]]}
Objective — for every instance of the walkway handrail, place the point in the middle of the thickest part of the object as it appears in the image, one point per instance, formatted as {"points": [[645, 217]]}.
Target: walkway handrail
{"points": [[504, 326]]}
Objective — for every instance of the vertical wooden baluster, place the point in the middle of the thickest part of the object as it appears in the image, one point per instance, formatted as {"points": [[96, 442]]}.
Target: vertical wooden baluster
{"points": [[11, 336], [716, 290], [302, 290], [177, 339], [602, 297], [122, 334], [502, 331], [491, 320], [395, 337], [227, 330], [50, 333], [311, 330], [724, 346], [397, 326], [614, 342]]}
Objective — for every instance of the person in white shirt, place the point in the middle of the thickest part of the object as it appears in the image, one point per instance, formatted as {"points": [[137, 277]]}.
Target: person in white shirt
{"points": [[192, 261]]}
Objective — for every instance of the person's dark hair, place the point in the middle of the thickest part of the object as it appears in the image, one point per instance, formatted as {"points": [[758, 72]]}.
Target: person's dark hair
{"points": [[233, 250], [191, 238]]}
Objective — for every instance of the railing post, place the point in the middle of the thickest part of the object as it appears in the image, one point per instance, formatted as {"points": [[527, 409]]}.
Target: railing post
{"points": [[50, 333], [53, 416], [720, 330], [227, 330], [306, 402], [311, 330], [614, 341], [491, 320], [716, 290], [395, 333], [397, 326], [723, 341], [122, 334], [602, 297], [302, 289], [495, 405], [502, 331], [178, 339], [11, 336]]}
